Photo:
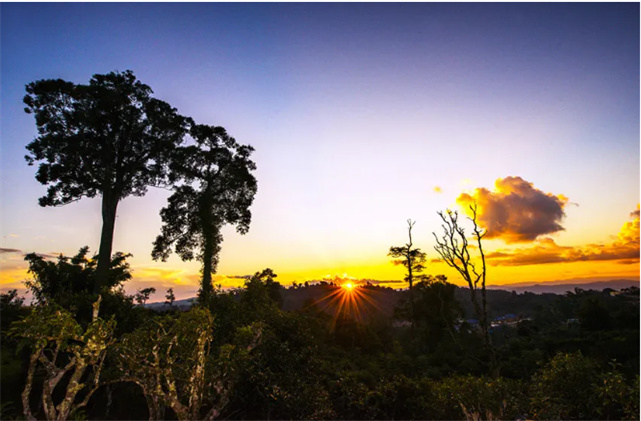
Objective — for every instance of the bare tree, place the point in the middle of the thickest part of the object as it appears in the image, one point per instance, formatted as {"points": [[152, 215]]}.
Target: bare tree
{"points": [[414, 261], [454, 249]]}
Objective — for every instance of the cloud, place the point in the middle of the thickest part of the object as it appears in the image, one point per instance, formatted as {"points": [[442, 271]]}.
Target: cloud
{"points": [[625, 249], [52, 255], [516, 211], [377, 282], [4, 250]]}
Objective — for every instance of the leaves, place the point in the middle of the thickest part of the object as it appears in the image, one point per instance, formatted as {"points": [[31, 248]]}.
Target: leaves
{"points": [[64, 279], [60, 346], [109, 135], [219, 189]]}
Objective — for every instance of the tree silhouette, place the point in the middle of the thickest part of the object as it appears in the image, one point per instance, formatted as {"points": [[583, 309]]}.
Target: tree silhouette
{"points": [[414, 261], [107, 138], [142, 295], [170, 297], [219, 189], [454, 249]]}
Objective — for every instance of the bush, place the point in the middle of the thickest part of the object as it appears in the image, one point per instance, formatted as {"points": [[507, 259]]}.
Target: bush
{"points": [[565, 389]]}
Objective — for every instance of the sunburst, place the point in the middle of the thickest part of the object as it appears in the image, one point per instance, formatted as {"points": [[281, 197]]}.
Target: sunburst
{"points": [[350, 300]]}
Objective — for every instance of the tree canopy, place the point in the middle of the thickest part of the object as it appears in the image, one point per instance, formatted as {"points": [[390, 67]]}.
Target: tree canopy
{"points": [[219, 189], [109, 138], [414, 261]]}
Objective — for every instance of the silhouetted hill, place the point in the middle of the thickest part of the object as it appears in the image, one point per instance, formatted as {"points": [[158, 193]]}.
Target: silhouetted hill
{"points": [[371, 301], [181, 304]]}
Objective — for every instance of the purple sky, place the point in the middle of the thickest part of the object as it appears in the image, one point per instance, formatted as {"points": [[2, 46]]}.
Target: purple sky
{"points": [[356, 112]]}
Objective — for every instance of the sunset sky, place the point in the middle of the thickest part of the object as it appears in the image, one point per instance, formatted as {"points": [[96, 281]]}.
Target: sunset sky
{"points": [[362, 116]]}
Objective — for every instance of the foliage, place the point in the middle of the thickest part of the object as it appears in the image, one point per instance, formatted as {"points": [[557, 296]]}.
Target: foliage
{"points": [[307, 364], [174, 365], [475, 398], [414, 261], [60, 346], [593, 315], [68, 282], [224, 190], [142, 295], [109, 138], [564, 388], [262, 290], [436, 312], [170, 297], [11, 308], [617, 399], [70, 276]]}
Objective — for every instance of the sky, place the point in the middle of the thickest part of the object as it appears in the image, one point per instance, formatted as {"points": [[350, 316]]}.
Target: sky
{"points": [[362, 116]]}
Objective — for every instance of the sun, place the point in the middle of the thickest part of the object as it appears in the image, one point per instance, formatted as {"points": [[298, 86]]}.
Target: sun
{"points": [[348, 286], [348, 298]]}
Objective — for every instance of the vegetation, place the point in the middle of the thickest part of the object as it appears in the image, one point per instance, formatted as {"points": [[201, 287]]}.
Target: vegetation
{"points": [[225, 189], [241, 356], [414, 261], [311, 351], [109, 138], [454, 249]]}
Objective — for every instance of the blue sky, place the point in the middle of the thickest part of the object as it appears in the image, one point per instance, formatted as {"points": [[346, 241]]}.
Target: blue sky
{"points": [[356, 112]]}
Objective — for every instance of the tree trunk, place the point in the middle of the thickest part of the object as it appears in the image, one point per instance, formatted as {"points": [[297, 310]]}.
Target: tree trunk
{"points": [[410, 279], [206, 219], [410, 264], [206, 288], [481, 311], [26, 404], [64, 408], [109, 207]]}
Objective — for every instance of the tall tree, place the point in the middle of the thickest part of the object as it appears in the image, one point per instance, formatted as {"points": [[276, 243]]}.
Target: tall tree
{"points": [[109, 138], [414, 261], [454, 249], [218, 189]]}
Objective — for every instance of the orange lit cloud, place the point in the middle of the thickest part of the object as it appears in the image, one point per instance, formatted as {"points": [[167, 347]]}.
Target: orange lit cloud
{"points": [[516, 211], [624, 249]]}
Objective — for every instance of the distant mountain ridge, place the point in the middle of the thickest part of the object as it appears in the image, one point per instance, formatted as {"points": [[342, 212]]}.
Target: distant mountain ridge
{"points": [[562, 288]]}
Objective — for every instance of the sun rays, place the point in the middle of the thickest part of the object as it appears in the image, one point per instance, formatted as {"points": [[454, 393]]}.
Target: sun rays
{"points": [[348, 300]]}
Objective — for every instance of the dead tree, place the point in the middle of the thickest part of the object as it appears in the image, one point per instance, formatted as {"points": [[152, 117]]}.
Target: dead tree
{"points": [[454, 249]]}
